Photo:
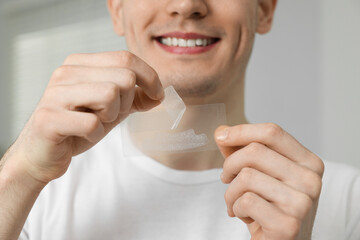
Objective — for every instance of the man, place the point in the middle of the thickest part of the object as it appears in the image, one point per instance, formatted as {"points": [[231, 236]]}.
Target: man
{"points": [[201, 47]]}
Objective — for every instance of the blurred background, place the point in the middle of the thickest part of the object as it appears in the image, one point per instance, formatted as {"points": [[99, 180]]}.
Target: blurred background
{"points": [[304, 75]]}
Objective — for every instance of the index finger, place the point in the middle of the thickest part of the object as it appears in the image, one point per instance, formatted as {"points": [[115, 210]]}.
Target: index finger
{"points": [[146, 77], [229, 139]]}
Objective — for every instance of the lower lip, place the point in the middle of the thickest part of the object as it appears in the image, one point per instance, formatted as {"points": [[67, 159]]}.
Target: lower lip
{"points": [[187, 50]]}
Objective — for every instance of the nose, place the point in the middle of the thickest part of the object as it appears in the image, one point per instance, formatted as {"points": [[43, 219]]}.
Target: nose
{"points": [[195, 9]]}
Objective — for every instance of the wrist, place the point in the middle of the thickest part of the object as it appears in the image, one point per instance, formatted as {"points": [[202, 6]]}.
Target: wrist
{"points": [[14, 172]]}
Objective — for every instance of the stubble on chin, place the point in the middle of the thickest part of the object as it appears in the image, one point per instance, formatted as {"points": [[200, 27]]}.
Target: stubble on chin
{"points": [[192, 86]]}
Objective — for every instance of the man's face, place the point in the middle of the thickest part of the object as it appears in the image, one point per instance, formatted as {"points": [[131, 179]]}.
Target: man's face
{"points": [[199, 46]]}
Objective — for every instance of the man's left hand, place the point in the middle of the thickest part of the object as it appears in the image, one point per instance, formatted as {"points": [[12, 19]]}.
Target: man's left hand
{"points": [[274, 181]]}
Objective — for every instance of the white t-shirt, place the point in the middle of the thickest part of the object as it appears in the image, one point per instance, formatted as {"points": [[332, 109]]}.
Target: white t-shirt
{"points": [[105, 195]]}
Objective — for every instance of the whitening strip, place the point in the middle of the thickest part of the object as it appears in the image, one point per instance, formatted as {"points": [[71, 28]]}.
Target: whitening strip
{"points": [[176, 142], [173, 105], [172, 127]]}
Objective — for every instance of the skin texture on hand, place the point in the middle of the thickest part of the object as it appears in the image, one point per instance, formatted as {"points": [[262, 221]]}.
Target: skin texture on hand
{"points": [[85, 98], [274, 181]]}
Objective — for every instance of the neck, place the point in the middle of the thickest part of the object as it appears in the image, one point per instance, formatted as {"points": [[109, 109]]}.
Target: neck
{"points": [[233, 98]]}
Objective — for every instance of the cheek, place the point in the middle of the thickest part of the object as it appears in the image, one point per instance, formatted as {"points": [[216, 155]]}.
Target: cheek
{"points": [[130, 35], [241, 28], [135, 26]]}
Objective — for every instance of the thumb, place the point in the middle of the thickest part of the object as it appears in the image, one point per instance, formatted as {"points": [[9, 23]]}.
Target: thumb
{"points": [[220, 134]]}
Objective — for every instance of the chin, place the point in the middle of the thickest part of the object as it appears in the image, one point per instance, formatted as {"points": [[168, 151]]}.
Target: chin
{"points": [[192, 86]]}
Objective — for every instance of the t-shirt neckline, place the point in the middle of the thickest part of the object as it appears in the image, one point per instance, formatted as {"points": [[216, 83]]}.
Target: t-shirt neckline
{"points": [[175, 176]]}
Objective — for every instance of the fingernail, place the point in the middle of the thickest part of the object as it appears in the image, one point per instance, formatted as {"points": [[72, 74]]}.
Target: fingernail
{"points": [[223, 134]]}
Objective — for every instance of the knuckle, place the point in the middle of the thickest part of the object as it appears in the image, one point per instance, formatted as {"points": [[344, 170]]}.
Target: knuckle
{"points": [[246, 174], [61, 73], [53, 92], [319, 165], [110, 93], [304, 204], [91, 124], [125, 58], [228, 171], [227, 166], [247, 200], [253, 148], [273, 130], [237, 207], [130, 80], [227, 196], [307, 203], [292, 228], [313, 184], [316, 187]]}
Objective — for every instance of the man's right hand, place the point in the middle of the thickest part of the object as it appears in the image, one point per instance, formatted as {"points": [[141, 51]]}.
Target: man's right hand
{"points": [[85, 98]]}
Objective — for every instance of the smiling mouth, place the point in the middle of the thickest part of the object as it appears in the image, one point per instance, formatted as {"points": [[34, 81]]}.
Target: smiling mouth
{"points": [[186, 42]]}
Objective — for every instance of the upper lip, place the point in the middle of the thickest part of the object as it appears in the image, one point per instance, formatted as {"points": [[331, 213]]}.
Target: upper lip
{"points": [[187, 35]]}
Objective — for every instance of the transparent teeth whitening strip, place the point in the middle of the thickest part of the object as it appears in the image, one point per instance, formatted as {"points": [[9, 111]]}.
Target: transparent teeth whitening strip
{"points": [[173, 105], [172, 127]]}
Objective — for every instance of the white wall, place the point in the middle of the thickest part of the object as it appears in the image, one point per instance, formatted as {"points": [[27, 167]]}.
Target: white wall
{"points": [[5, 86], [22, 17], [340, 80], [283, 78], [304, 75]]}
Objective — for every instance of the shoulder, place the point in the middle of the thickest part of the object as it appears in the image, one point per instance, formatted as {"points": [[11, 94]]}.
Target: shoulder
{"points": [[338, 211], [341, 183], [341, 170]]}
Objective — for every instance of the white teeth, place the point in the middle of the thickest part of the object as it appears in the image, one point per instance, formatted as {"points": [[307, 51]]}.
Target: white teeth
{"points": [[191, 43], [174, 42], [199, 42], [186, 42], [164, 41], [182, 43], [205, 42]]}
